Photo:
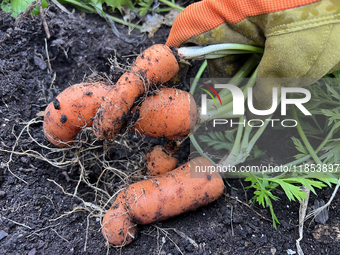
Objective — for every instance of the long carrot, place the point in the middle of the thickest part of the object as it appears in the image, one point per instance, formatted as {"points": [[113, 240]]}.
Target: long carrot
{"points": [[172, 193], [155, 65]]}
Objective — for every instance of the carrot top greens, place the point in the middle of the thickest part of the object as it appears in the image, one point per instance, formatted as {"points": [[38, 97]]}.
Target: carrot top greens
{"points": [[239, 143]]}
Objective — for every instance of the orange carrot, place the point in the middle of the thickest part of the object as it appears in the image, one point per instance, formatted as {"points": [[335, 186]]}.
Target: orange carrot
{"points": [[170, 113], [155, 65], [172, 193], [118, 229], [72, 110], [159, 162]]}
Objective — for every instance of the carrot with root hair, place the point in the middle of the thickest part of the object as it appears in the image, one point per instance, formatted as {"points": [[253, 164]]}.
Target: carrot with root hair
{"points": [[118, 229], [155, 65], [159, 162], [72, 110], [172, 193]]}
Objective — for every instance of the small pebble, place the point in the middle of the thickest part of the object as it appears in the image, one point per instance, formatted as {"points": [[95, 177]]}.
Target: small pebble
{"points": [[39, 61], [24, 160], [32, 252], [3, 234]]}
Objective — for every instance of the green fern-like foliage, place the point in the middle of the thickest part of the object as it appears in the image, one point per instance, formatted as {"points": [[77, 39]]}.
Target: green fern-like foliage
{"points": [[218, 141], [263, 194], [225, 141]]}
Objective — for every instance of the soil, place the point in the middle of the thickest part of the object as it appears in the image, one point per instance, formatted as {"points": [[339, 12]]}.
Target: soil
{"points": [[35, 210]]}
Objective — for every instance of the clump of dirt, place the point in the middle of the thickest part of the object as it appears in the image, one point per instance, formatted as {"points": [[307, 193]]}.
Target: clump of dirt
{"points": [[40, 215]]}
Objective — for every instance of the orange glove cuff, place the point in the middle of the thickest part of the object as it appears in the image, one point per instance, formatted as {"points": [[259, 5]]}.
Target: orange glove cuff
{"points": [[206, 15]]}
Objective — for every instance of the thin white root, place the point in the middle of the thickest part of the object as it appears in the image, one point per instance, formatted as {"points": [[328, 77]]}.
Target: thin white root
{"points": [[315, 212], [302, 214], [190, 240]]}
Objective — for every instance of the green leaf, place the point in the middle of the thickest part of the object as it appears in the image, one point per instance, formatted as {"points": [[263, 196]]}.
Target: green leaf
{"points": [[329, 181], [291, 190], [145, 5], [80, 5], [300, 147], [333, 91], [98, 4], [36, 10], [255, 153], [309, 183], [6, 6], [117, 4], [18, 6], [263, 195], [217, 140], [337, 74], [332, 155], [334, 116], [271, 208]]}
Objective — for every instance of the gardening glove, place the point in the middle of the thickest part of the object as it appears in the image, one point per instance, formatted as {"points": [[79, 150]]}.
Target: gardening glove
{"points": [[300, 39]]}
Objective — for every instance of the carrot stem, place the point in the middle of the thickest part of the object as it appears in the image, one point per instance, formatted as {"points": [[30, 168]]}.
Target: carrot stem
{"points": [[302, 134], [216, 50], [243, 143], [197, 77], [226, 109], [199, 149], [236, 80], [242, 73]]}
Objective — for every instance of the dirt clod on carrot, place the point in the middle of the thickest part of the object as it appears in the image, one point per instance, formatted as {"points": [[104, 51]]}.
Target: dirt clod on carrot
{"points": [[56, 104]]}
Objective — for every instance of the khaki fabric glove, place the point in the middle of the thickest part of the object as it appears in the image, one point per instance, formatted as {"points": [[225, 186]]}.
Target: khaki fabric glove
{"points": [[301, 39]]}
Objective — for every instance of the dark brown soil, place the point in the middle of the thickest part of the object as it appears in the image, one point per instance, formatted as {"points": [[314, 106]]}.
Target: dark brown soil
{"points": [[31, 204]]}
